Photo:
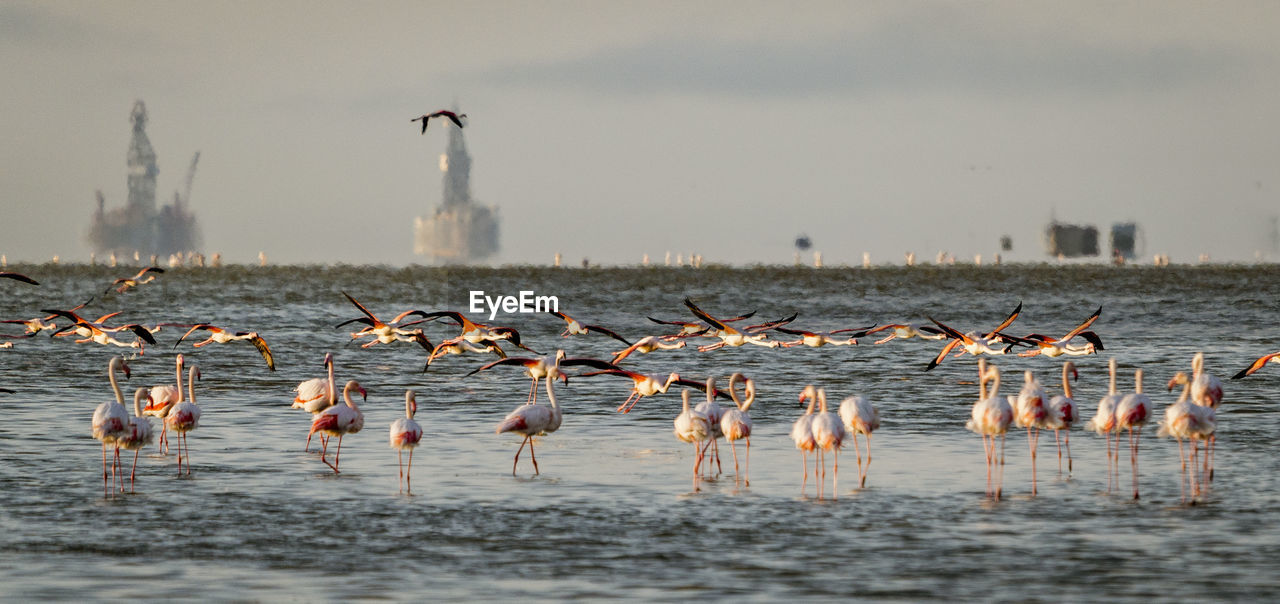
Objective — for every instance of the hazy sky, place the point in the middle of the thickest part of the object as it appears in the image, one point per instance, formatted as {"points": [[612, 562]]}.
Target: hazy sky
{"points": [[614, 129]]}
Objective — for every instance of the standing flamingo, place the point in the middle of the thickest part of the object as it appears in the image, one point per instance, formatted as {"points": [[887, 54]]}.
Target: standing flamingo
{"points": [[185, 417], [1132, 412], [714, 413], [138, 433], [405, 434], [315, 395], [530, 420], [990, 417], [1030, 412], [1186, 420], [1063, 413], [1104, 422], [736, 424], [110, 419], [828, 435], [802, 431], [163, 398], [692, 427], [1206, 391], [340, 420], [860, 417]]}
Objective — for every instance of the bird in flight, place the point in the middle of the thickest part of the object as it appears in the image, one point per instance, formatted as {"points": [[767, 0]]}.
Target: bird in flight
{"points": [[456, 118]]}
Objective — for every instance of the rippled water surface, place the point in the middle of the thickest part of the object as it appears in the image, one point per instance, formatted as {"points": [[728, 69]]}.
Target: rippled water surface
{"points": [[614, 512]]}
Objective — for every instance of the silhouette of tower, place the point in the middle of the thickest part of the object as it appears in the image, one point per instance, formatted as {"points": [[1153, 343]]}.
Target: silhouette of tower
{"points": [[460, 230]]}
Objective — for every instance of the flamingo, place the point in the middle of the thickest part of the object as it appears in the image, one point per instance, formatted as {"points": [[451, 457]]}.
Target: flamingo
{"points": [[96, 332], [1063, 413], [110, 419], [1030, 412], [385, 333], [646, 345], [991, 416], [905, 331], [692, 427], [219, 335], [340, 420], [1104, 420], [1206, 391], [138, 433], [123, 284], [456, 118], [1259, 363], [458, 345], [163, 397], [18, 277], [802, 431], [1132, 412], [648, 385], [733, 337], [475, 333], [406, 434], [575, 327], [1053, 348], [1187, 420], [736, 424], [974, 343], [530, 420], [714, 414], [815, 339], [315, 395], [184, 417], [828, 435], [547, 367], [693, 328], [860, 417]]}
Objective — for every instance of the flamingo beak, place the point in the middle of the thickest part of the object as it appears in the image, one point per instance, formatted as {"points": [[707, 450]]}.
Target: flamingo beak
{"points": [[364, 395]]}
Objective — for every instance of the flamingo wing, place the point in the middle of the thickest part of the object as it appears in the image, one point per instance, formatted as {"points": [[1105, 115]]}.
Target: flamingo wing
{"points": [[607, 332], [18, 277], [263, 349], [1256, 365]]}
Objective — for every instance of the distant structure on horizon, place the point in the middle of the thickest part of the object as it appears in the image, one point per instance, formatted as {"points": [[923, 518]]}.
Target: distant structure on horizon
{"points": [[1063, 240], [139, 227], [460, 231]]}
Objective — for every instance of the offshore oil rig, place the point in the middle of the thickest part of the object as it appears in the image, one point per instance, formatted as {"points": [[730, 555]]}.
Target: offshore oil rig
{"points": [[460, 231], [139, 228], [1063, 240]]}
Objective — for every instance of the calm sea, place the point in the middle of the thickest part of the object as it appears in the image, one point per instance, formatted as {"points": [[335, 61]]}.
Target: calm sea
{"points": [[615, 513]]}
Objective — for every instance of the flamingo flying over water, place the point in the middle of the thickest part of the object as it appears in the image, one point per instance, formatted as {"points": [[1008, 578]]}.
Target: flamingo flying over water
{"points": [[547, 367], [218, 335], [575, 327], [406, 434], [18, 277], [530, 420], [648, 344], [146, 275], [1257, 364], [648, 385]]}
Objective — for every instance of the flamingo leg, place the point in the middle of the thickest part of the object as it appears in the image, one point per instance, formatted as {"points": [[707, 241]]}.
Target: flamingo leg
{"points": [[623, 408], [337, 456], [747, 480], [733, 446], [133, 470], [857, 455], [1182, 477], [866, 469], [1057, 440], [1067, 437], [835, 478], [1210, 447], [1000, 478], [986, 451], [1133, 458], [1031, 445], [533, 392], [104, 466], [533, 457], [400, 460], [517, 459], [1195, 455], [409, 475]]}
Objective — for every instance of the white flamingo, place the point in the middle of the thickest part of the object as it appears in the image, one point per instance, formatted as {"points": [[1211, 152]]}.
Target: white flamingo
{"points": [[1031, 412], [315, 395], [991, 416], [860, 417], [736, 424], [1206, 391], [185, 417], [692, 427], [340, 420], [802, 431], [714, 413], [828, 435], [110, 419], [163, 398], [1104, 422], [406, 434], [1192, 422], [1132, 412], [1063, 413], [138, 433], [530, 420]]}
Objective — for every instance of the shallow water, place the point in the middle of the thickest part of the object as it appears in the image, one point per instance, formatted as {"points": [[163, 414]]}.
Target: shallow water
{"points": [[614, 512]]}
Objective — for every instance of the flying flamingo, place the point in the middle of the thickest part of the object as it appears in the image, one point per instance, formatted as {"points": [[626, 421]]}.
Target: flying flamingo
{"points": [[530, 420], [1259, 363], [124, 283], [733, 337], [547, 367], [692, 427], [736, 424], [802, 431], [1206, 391], [1104, 422], [693, 328], [138, 433], [815, 339], [828, 435], [1132, 412], [575, 327], [1053, 348], [218, 335], [1063, 413], [1031, 412], [648, 344], [648, 385], [903, 331], [1186, 420], [456, 118], [974, 343], [991, 416], [340, 420], [459, 345], [163, 398], [184, 417], [315, 395], [714, 413], [860, 417], [406, 434], [110, 419]]}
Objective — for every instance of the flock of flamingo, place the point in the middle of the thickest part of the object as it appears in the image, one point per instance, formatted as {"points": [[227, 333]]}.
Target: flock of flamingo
{"points": [[818, 430]]}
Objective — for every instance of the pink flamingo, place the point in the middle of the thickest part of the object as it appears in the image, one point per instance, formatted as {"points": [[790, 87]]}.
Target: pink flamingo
{"points": [[1030, 412], [314, 396], [1104, 423], [828, 435], [138, 433], [406, 434], [163, 398], [1063, 414], [340, 420], [110, 420], [530, 420], [692, 427], [1133, 412], [714, 413], [802, 431], [1186, 420], [991, 416], [860, 417], [736, 424], [185, 417], [1206, 391]]}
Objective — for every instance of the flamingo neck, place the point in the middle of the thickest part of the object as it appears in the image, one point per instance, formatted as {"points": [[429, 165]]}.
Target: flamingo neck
{"points": [[191, 383], [111, 375], [995, 382], [410, 406], [551, 394], [137, 401], [1111, 389], [1137, 381], [333, 388], [346, 395], [1066, 385], [178, 379]]}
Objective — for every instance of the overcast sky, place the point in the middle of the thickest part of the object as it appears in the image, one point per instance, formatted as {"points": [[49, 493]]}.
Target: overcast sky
{"points": [[614, 129]]}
